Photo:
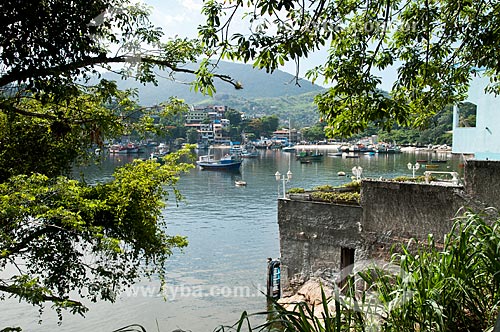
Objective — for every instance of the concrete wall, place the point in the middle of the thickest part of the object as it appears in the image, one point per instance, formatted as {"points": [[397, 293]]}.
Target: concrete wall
{"points": [[482, 181], [312, 235], [394, 212]]}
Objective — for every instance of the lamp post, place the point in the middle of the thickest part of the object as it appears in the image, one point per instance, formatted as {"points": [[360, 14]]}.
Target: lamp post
{"points": [[357, 171], [285, 178], [413, 168]]}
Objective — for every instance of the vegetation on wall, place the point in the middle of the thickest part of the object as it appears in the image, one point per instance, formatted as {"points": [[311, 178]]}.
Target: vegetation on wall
{"points": [[336, 197], [431, 290]]}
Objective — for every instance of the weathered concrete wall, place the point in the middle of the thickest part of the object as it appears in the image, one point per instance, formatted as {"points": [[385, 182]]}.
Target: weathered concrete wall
{"points": [[311, 235], [394, 212], [482, 181]]}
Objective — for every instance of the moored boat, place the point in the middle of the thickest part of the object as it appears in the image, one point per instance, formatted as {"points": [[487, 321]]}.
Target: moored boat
{"points": [[309, 156], [118, 149], [249, 154], [228, 162]]}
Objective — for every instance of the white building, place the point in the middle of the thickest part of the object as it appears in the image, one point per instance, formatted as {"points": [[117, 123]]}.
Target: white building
{"points": [[482, 136]]}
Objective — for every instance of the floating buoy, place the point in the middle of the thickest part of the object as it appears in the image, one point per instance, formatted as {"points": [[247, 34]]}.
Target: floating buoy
{"points": [[341, 173]]}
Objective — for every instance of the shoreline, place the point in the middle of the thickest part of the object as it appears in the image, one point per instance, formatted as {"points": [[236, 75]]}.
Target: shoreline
{"points": [[335, 147]]}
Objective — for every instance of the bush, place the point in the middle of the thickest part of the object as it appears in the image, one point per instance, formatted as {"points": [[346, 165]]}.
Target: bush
{"points": [[336, 197], [355, 185], [296, 191], [453, 288], [325, 187]]}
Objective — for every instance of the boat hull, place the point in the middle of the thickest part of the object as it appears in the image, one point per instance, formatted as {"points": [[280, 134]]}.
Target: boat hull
{"points": [[219, 166]]}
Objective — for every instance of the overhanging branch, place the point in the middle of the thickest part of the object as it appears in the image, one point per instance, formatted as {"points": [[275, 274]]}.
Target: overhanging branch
{"points": [[20, 291], [23, 75]]}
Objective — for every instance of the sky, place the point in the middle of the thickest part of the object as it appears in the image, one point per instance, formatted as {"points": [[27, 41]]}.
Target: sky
{"points": [[182, 17]]}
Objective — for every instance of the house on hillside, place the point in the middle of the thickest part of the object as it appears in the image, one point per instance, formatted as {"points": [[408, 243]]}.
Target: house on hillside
{"points": [[476, 123]]}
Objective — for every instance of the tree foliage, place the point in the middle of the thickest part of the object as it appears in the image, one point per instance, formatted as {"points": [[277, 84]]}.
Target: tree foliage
{"points": [[314, 133], [64, 239], [264, 126], [434, 45]]}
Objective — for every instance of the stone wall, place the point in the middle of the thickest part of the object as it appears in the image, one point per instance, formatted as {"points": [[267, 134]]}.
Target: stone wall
{"points": [[312, 235], [482, 181], [394, 212]]}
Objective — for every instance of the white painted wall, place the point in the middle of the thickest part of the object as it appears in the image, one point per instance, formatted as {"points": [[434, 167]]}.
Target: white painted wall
{"points": [[483, 140]]}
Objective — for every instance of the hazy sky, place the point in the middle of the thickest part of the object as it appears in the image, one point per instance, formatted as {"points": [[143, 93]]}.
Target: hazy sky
{"points": [[182, 17]]}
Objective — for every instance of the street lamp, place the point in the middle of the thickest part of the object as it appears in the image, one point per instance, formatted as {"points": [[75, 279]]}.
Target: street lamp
{"points": [[413, 168], [284, 178], [357, 171]]}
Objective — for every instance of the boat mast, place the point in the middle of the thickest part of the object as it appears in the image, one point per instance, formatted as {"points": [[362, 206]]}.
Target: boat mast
{"points": [[289, 133]]}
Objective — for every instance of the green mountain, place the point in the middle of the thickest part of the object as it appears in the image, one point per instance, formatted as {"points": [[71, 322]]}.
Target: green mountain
{"points": [[262, 93]]}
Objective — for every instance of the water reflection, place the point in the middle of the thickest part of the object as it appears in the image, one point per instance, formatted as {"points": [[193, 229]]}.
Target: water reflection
{"points": [[231, 232]]}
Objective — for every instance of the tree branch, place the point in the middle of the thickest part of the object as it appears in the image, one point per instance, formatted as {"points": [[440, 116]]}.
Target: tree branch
{"points": [[23, 75], [15, 290]]}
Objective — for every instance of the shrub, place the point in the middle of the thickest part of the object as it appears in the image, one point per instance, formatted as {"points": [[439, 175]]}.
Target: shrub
{"points": [[336, 197], [325, 187], [455, 288], [355, 184], [296, 191]]}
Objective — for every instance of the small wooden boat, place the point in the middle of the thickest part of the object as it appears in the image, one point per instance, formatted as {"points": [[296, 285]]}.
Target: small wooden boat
{"points": [[427, 166]]}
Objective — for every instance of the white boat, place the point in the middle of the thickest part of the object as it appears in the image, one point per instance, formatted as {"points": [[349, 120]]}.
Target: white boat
{"points": [[118, 149], [240, 183], [249, 154]]}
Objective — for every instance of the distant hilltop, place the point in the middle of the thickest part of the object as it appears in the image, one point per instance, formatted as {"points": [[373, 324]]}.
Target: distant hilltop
{"points": [[256, 84]]}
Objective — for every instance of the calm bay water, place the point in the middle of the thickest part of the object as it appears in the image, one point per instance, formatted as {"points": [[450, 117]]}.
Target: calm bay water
{"points": [[231, 232]]}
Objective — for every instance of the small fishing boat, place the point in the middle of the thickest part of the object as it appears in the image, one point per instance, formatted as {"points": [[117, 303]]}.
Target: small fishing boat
{"points": [[227, 162], [304, 156], [249, 154], [288, 149]]}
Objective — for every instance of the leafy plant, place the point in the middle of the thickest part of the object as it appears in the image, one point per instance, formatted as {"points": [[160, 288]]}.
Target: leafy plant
{"points": [[450, 288], [325, 187], [355, 185], [296, 191], [336, 197]]}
